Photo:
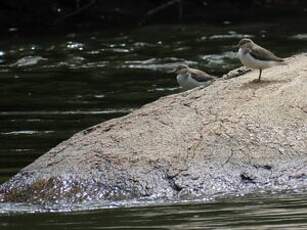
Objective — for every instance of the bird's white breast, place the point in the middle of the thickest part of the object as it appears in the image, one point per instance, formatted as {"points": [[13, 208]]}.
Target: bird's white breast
{"points": [[187, 82], [251, 62]]}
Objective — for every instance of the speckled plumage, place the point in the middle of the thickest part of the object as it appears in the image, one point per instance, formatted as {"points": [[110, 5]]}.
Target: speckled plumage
{"points": [[256, 57], [189, 78]]}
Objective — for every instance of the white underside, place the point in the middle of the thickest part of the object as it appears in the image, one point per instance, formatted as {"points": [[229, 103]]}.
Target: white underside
{"points": [[253, 63], [187, 82]]}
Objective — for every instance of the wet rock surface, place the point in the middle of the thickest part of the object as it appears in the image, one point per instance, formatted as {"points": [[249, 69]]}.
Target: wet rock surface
{"points": [[235, 136]]}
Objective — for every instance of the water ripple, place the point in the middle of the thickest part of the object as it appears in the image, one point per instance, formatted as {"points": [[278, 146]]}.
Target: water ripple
{"points": [[229, 35], [77, 112], [299, 37], [28, 132], [75, 45], [28, 61]]}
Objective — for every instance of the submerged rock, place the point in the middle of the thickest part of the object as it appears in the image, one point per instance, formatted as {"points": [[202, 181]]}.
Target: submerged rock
{"points": [[235, 136]]}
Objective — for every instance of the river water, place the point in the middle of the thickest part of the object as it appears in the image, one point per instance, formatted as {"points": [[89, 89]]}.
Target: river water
{"points": [[56, 84]]}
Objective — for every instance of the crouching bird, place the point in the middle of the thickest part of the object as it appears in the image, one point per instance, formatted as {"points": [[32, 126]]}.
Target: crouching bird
{"points": [[189, 78]]}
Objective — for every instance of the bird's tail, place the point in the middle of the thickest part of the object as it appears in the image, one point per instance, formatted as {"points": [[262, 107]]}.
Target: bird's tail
{"points": [[282, 62]]}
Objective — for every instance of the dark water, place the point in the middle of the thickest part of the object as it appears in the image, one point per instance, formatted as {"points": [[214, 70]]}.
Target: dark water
{"points": [[52, 86], [252, 212]]}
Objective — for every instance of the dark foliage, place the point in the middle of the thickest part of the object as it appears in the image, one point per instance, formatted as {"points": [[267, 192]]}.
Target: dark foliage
{"points": [[70, 13]]}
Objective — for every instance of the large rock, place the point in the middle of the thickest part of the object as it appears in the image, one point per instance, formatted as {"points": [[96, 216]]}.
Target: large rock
{"points": [[234, 136]]}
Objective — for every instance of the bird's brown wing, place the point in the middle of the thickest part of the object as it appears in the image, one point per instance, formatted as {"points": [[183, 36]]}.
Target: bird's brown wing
{"points": [[263, 54], [201, 76]]}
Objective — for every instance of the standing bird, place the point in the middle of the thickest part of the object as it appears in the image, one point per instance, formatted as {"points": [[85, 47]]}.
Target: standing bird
{"points": [[256, 57], [189, 78]]}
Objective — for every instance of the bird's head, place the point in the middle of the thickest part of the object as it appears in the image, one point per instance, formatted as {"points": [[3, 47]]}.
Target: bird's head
{"points": [[181, 69], [245, 42]]}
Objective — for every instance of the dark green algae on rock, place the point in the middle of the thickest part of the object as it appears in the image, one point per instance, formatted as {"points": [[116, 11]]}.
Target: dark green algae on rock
{"points": [[235, 136]]}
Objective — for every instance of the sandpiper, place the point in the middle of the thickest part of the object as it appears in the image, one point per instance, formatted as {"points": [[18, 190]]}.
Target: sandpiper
{"points": [[189, 78], [256, 57]]}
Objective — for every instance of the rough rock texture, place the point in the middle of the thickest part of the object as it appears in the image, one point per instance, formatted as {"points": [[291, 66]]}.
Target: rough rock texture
{"points": [[236, 135]]}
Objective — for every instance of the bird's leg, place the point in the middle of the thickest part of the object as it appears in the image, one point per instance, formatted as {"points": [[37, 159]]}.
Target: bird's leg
{"points": [[260, 71]]}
